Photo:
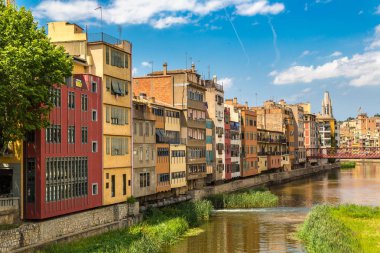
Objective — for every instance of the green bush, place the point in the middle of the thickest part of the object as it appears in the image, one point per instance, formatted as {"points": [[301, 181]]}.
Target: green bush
{"points": [[250, 199], [131, 200], [347, 165], [161, 227], [323, 233]]}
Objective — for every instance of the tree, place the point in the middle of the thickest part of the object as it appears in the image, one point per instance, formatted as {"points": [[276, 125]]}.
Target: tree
{"points": [[29, 67]]}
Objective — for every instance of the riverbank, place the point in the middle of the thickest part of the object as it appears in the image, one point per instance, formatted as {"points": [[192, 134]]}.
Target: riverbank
{"points": [[160, 227], [262, 180], [249, 199], [342, 229]]}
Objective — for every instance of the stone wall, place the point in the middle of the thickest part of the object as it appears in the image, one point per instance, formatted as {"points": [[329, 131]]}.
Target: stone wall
{"points": [[31, 235], [260, 180]]}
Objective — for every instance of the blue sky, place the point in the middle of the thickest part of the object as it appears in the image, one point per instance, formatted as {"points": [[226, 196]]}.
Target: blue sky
{"points": [[293, 49]]}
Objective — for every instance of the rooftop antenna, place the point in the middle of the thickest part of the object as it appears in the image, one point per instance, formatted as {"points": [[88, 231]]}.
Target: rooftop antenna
{"points": [[151, 64], [209, 77], [257, 102], [120, 30], [101, 17], [186, 60]]}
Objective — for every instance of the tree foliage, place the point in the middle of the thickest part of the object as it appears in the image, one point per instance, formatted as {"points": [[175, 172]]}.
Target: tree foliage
{"points": [[29, 67]]}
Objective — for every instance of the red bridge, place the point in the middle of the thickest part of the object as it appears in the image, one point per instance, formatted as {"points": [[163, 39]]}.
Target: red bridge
{"points": [[344, 153]]}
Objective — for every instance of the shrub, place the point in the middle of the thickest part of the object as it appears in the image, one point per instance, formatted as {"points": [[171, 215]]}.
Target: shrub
{"points": [[323, 233], [250, 199]]}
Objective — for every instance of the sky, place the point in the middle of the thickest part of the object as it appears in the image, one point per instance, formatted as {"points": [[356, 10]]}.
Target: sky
{"points": [[258, 49]]}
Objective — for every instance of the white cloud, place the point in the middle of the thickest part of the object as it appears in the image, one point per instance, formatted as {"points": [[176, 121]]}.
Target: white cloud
{"points": [[360, 70], [158, 13], [169, 21], [336, 54], [375, 42], [305, 53], [262, 7], [227, 82], [146, 64]]}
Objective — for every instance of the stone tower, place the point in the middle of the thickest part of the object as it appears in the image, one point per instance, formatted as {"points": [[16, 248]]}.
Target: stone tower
{"points": [[327, 105]]}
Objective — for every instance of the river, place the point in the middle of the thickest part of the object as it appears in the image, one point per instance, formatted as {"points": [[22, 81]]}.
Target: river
{"points": [[272, 229]]}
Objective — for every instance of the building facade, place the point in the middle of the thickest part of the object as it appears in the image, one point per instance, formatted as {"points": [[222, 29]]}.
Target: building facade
{"points": [[109, 58], [63, 162], [272, 146], [184, 90], [235, 134], [215, 112]]}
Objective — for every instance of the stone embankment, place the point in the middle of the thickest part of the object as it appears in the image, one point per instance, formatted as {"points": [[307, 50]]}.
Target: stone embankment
{"points": [[262, 180], [83, 224]]}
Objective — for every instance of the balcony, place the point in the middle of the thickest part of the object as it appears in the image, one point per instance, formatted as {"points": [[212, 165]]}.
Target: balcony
{"points": [[199, 123], [11, 203], [174, 141], [143, 115]]}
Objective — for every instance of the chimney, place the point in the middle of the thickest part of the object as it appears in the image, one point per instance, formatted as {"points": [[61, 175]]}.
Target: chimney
{"points": [[193, 68], [165, 72], [215, 79], [235, 100]]}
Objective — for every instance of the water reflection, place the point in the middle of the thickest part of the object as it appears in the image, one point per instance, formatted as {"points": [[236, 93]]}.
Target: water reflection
{"points": [[272, 230]]}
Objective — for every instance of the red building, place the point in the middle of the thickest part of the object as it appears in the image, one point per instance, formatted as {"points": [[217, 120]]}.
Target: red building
{"points": [[227, 141], [64, 161]]}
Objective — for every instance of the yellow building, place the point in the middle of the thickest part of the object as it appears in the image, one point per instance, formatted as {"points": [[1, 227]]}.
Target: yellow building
{"points": [[11, 180], [109, 58]]}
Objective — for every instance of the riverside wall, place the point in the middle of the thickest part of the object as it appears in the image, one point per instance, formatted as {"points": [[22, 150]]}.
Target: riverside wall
{"points": [[35, 234], [262, 180]]}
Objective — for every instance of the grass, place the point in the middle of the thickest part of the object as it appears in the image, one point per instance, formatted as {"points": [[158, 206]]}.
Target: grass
{"points": [[342, 229], [9, 226], [248, 199], [161, 227], [347, 165]]}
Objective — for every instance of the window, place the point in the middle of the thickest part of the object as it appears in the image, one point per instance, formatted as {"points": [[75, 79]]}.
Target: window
{"points": [[164, 177], [124, 184], [71, 134], [66, 178], [94, 87], [55, 95], [118, 58], [84, 135], [118, 115], [84, 102], [31, 180], [177, 175], [71, 100], [94, 146], [113, 186], [95, 189], [53, 134], [144, 180], [141, 130], [116, 86], [118, 146], [94, 115]]}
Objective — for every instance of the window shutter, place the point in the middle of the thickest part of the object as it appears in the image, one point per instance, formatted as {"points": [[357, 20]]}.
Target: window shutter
{"points": [[108, 114], [122, 115], [107, 145], [126, 117], [108, 83]]}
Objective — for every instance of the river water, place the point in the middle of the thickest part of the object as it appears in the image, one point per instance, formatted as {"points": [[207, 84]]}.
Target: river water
{"points": [[272, 229]]}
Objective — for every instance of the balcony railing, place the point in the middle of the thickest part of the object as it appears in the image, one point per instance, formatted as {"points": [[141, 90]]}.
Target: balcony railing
{"points": [[103, 37], [268, 153], [167, 140], [10, 203]]}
